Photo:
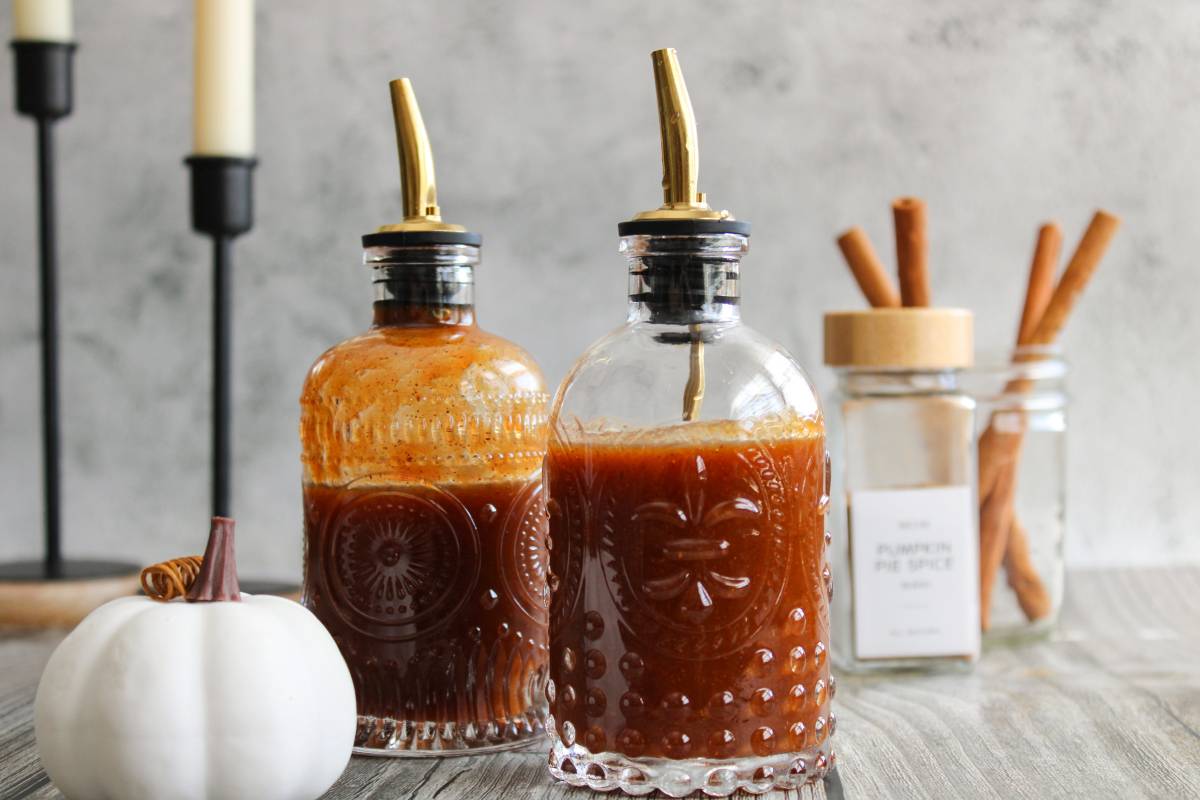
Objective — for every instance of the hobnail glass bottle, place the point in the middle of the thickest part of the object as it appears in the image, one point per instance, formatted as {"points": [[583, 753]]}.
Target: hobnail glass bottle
{"points": [[687, 485], [425, 526]]}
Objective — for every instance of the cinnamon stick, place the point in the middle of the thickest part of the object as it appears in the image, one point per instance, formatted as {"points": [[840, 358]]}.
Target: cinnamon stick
{"points": [[1022, 573], [1023, 578], [996, 447], [1076, 276], [908, 215], [1041, 280], [995, 520], [999, 448], [868, 271]]}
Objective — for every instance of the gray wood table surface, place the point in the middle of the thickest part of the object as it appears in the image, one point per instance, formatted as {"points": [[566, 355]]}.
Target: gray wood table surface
{"points": [[1109, 707]]}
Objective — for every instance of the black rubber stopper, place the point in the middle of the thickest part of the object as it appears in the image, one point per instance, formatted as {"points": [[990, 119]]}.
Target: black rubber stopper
{"points": [[682, 227], [43, 78], [418, 238], [222, 194]]}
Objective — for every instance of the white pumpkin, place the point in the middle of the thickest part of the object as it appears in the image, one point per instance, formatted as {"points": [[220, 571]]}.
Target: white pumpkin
{"points": [[196, 701]]}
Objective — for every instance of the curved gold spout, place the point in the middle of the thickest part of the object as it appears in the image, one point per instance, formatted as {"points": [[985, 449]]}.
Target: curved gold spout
{"points": [[421, 212], [677, 124], [680, 145]]}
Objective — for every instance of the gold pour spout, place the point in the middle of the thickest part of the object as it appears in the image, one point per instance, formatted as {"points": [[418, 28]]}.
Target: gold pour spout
{"points": [[421, 212], [680, 145]]}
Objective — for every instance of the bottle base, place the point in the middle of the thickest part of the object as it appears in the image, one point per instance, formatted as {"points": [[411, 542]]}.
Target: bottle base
{"points": [[389, 738], [715, 777]]}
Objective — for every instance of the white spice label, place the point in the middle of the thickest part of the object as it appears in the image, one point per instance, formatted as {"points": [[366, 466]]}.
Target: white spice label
{"points": [[915, 556]]}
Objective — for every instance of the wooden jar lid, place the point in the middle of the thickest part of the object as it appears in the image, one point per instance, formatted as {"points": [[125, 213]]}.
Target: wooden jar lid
{"points": [[900, 338]]}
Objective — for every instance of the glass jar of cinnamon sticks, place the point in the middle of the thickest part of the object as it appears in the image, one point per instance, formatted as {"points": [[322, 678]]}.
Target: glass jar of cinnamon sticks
{"points": [[1022, 430], [1021, 454]]}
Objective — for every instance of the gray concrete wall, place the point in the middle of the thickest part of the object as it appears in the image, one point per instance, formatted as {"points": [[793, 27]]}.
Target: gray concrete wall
{"points": [[812, 116]]}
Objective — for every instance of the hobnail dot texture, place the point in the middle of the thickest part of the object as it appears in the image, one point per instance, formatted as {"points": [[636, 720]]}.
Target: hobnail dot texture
{"points": [[606, 772]]}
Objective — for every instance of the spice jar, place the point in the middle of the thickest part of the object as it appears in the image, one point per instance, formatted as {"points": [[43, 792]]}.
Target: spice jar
{"points": [[424, 517], [1022, 439], [907, 565], [687, 482]]}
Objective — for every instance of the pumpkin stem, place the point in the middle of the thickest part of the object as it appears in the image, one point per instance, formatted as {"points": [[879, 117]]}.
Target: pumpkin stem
{"points": [[167, 580], [217, 579]]}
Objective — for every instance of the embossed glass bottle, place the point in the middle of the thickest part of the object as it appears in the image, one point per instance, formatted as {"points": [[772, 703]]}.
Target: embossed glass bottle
{"points": [[687, 481], [425, 522]]}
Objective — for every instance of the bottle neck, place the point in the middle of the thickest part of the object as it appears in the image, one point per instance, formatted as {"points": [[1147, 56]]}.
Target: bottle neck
{"points": [[423, 285], [684, 280]]}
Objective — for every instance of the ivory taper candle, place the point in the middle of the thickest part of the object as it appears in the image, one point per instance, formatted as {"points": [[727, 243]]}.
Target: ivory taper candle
{"points": [[223, 122], [42, 20]]}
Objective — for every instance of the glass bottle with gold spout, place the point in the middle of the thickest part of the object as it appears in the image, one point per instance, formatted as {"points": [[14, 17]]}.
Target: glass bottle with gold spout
{"points": [[425, 525], [688, 485]]}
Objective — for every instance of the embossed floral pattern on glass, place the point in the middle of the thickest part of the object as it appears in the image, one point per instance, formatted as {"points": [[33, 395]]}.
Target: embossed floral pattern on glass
{"points": [[425, 521]]}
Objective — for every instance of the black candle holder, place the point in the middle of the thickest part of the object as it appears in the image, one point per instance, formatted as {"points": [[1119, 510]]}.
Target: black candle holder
{"points": [[44, 91], [223, 209]]}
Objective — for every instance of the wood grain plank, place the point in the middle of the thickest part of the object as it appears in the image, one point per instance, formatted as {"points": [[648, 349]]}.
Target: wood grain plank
{"points": [[1109, 706], [22, 658]]}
